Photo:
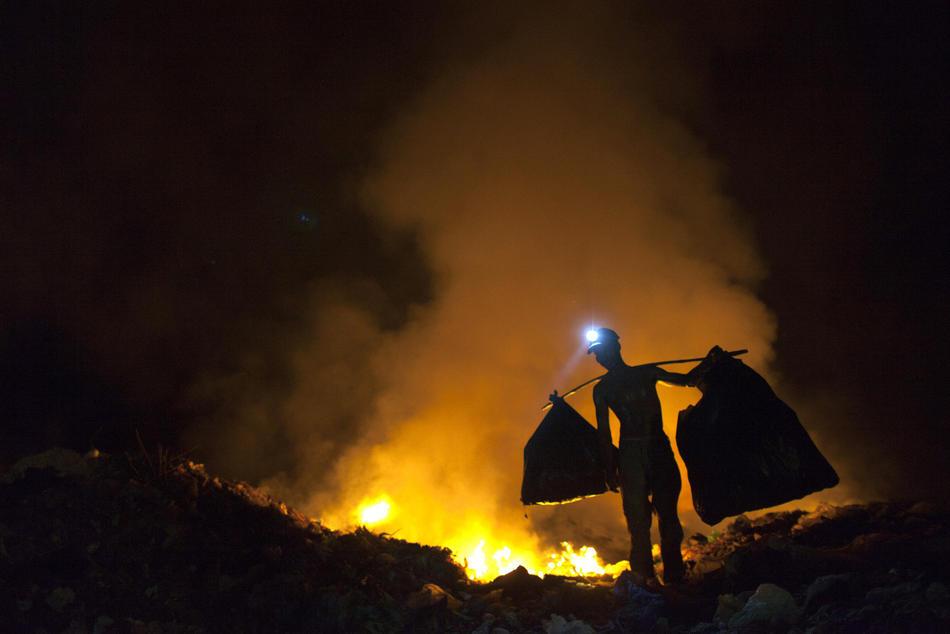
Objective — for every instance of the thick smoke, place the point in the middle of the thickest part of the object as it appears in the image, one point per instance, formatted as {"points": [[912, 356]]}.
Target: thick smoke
{"points": [[551, 192]]}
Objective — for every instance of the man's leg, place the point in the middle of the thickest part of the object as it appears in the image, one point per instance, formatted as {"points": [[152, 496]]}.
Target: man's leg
{"points": [[636, 505], [666, 484]]}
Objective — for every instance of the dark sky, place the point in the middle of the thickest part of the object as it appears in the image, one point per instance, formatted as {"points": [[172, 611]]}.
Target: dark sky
{"points": [[174, 181], [833, 122]]}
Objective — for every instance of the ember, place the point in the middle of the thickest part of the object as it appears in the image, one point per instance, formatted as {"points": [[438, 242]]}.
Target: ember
{"points": [[374, 512]]}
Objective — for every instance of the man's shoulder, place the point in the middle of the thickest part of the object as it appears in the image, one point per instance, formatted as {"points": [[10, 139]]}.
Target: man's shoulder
{"points": [[636, 374], [641, 371], [649, 370]]}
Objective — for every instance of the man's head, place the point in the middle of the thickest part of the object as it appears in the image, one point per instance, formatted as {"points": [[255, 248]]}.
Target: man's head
{"points": [[605, 344]]}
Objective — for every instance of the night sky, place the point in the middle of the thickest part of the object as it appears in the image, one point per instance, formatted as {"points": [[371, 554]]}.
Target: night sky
{"points": [[175, 182]]}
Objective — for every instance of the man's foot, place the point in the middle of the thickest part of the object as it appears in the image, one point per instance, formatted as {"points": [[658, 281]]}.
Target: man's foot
{"points": [[674, 576], [648, 582], [653, 584]]}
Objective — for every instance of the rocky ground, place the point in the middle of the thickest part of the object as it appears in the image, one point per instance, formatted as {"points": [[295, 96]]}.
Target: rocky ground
{"points": [[145, 544]]}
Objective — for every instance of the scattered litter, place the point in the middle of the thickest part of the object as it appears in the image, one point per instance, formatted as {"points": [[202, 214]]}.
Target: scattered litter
{"points": [[559, 625], [771, 607]]}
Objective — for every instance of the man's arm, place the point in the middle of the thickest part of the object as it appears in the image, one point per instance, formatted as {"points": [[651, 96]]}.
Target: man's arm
{"points": [[674, 378], [603, 435], [692, 377]]}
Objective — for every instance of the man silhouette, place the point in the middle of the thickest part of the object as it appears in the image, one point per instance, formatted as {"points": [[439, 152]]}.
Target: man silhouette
{"points": [[646, 471]]}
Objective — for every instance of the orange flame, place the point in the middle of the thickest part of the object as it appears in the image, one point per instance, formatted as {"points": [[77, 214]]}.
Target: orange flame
{"points": [[485, 557], [374, 512]]}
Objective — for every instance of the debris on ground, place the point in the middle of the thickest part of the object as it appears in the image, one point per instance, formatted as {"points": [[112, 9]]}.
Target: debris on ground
{"points": [[769, 608], [104, 544], [559, 625], [118, 544]]}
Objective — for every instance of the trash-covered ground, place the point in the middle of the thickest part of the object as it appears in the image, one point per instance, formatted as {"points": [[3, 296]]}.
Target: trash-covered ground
{"points": [[145, 544]]}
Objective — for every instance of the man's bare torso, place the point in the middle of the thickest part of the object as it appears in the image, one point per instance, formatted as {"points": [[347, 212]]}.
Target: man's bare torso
{"points": [[630, 392]]}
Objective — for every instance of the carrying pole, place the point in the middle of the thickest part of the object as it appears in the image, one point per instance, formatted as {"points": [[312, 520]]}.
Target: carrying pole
{"points": [[732, 353]]}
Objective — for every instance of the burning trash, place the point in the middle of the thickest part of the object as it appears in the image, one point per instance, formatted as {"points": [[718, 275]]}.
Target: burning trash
{"points": [[374, 512]]}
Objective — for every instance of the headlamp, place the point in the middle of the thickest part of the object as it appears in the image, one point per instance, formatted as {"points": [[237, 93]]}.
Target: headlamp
{"points": [[592, 335]]}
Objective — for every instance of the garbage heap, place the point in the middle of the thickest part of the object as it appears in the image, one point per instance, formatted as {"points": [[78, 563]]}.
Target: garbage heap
{"points": [[144, 544], [878, 567], [141, 544]]}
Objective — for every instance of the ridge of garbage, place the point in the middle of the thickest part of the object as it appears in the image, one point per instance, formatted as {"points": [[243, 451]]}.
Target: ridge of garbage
{"points": [[134, 543]]}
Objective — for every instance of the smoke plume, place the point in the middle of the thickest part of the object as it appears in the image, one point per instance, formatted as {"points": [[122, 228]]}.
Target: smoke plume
{"points": [[551, 191]]}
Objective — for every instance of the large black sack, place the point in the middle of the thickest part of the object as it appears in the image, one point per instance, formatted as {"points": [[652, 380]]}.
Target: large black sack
{"points": [[744, 448], [562, 459]]}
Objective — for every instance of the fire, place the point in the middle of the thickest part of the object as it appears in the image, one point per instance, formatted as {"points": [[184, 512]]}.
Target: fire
{"points": [[425, 486], [371, 513], [481, 566], [582, 562], [484, 563], [402, 487], [484, 558]]}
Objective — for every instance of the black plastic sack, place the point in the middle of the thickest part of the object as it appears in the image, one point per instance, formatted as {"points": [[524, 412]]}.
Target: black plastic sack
{"points": [[744, 448], [562, 459]]}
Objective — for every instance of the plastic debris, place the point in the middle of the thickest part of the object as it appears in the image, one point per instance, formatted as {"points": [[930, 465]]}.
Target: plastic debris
{"points": [[557, 624], [770, 607]]}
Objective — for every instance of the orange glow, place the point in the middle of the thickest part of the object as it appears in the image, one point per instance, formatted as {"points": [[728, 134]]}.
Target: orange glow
{"points": [[582, 562], [485, 557], [484, 562], [374, 512], [545, 200]]}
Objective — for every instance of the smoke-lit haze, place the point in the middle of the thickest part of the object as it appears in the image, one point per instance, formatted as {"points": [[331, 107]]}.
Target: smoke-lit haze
{"points": [[550, 193]]}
